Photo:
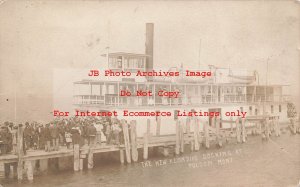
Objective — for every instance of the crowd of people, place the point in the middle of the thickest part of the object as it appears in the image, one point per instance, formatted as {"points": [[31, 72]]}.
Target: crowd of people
{"points": [[61, 132]]}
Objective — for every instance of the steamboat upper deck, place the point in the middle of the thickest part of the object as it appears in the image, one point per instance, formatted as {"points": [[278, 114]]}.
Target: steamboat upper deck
{"points": [[222, 86]]}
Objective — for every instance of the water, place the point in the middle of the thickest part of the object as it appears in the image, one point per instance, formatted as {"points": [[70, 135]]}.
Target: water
{"points": [[256, 163]]}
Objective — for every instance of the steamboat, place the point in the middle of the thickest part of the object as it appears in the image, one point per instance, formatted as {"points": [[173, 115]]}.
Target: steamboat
{"points": [[212, 90]]}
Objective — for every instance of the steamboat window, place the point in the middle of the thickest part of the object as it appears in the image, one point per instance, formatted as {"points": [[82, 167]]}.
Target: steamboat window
{"points": [[115, 62], [250, 109], [134, 62], [256, 111], [111, 89]]}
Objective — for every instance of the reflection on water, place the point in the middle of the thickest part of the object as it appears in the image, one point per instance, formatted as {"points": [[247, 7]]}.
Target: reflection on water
{"points": [[256, 163]]}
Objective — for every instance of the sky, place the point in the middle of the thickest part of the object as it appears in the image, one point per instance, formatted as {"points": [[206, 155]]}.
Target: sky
{"points": [[39, 37]]}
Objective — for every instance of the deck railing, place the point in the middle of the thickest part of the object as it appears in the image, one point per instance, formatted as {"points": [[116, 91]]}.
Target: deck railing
{"points": [[115, 100]]}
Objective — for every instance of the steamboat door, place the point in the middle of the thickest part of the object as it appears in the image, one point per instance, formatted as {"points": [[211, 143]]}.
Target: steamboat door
{"points": [[210, 119]]}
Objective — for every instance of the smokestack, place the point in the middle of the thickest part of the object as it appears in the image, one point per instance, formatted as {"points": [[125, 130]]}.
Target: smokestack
{"points": [[149, 46]]}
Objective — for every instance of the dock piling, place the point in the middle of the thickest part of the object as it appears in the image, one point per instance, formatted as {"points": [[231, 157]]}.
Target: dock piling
{"points": [[126, 140], [158, 123], [231, 125], [81, 164], [188, 132], [146, 140], [267, 128], [145, 152], [134, 151], [218, 134], [177, 145], [206, 134], [277, 128], [181, 137], [244, 133], [76, 157], [90, 159], [238, 130], [20, 152], [196, 134]]}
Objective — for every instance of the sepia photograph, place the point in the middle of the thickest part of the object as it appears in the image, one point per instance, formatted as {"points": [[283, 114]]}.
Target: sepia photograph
{"points": [[160, 93]]}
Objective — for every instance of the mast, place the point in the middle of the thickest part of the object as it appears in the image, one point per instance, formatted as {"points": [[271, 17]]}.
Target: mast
{"points": [[149, 47], [108, 43], [15, 90], [264, 105]]}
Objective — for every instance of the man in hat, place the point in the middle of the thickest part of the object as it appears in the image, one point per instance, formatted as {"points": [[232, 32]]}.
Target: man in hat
{"points": [[68, 135], [99, 128], [54, 135], [75, 131], [61, 132], [4, 138], [28, 133], [84, 131], [48, 138], [14, 132], [91, 131], [115, 131], [35, 136], [41, 136], [10, 138], [108, 132]]}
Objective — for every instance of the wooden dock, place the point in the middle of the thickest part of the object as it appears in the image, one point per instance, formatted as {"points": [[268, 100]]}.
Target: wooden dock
{"points": [[205, 136]]}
